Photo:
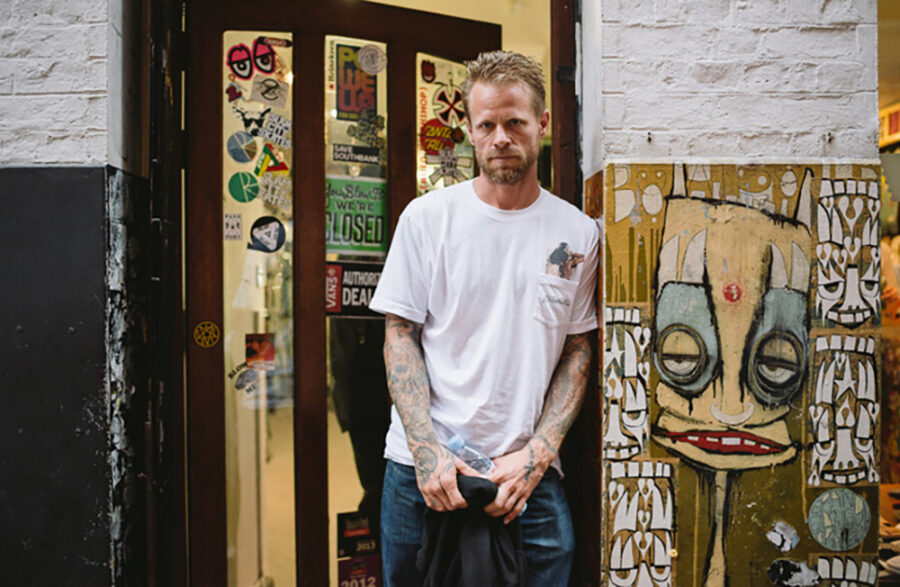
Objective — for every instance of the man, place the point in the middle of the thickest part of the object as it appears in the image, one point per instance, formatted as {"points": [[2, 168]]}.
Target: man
{"points": [[488, 290]]}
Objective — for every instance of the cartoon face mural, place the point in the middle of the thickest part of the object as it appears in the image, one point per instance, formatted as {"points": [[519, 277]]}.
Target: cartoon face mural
{"points": [[844, 418], [730, 333], [741, 328], [848, 274], [626, 375]]}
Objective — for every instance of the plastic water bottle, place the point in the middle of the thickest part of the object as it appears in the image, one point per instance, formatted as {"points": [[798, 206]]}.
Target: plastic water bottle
{"points": [[469, 455]]}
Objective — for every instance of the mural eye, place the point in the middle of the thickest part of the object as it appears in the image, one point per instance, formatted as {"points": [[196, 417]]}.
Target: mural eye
{"points": [[869, 287], [239, 61], [831, 290], [682, 354], [778, 365]]}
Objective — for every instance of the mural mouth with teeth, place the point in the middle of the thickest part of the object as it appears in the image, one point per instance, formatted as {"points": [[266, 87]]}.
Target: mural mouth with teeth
{"points": [[765, 442], [846, 477], [727, 442]]}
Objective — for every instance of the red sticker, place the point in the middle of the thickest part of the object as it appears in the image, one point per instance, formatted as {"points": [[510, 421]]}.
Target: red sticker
{"points": [[435, 136], [260, 351], [428, 71], [333, 289], [732, 292]]}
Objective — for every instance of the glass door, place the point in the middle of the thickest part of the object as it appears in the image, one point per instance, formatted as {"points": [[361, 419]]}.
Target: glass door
{"points": [[258, 308], [356, 240], [286, 401]]}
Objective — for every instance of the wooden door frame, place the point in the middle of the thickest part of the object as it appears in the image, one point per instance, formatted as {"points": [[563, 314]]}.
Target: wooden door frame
{"points": [[405, 32], [582, 448], [564, 146]]}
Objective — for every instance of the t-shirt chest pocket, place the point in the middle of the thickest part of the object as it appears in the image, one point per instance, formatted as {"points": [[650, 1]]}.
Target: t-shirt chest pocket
{"points": [[554, 298]]}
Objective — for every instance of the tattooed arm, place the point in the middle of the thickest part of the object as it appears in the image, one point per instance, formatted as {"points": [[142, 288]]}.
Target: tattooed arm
{"points": [[436, 466], [519, 472]]}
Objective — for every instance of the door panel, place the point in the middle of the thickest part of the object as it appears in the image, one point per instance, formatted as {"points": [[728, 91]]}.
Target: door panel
{"points": [[258, 311], [257, 397], [444, 153]]}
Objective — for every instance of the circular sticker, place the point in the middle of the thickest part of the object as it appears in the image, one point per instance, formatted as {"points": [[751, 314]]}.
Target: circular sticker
{"points": [[206, 334], [242, 147], [267, 235], [243, 186], [371, 59], [839, 519]]}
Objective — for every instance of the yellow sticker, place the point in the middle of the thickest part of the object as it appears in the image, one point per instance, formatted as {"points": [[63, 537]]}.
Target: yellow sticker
{"points": [[206, 334]]}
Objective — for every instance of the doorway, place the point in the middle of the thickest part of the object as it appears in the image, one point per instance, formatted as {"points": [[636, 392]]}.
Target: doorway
{"points": [[284, 105]]}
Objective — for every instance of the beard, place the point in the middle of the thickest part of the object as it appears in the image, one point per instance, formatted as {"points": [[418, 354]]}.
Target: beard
{"points": [[507, 173]]}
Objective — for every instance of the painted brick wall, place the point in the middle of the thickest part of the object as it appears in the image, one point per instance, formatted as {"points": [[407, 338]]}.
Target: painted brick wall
{"points": [[53, 82], [72, 83], [732, 78]]}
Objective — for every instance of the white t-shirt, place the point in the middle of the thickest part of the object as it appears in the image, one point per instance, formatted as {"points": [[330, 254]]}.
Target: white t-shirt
{"points": [[486, 285]]}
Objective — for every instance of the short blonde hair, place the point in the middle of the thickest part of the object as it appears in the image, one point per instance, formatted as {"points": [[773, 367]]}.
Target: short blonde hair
{"points": [[506, 67]]}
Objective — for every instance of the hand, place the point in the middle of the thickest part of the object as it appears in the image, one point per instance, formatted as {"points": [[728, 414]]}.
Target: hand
{"points": [[436, 470], [516, 475]]}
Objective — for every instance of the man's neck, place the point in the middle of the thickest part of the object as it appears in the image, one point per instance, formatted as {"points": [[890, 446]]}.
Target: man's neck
{"points": [[515, 196]]}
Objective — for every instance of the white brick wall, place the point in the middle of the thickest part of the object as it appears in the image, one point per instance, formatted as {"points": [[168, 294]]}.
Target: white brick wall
{"points": [[728, 78], [53, 82]]}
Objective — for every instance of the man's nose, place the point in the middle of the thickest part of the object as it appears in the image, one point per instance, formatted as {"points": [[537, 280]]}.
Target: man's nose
{"points": [[501, 137]]}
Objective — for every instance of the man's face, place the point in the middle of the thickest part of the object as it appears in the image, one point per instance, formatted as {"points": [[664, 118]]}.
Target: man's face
{"points": [[505, 130]]}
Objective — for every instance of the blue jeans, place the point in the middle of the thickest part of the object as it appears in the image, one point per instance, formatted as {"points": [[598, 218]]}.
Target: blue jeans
{"points": [[546, 530]]}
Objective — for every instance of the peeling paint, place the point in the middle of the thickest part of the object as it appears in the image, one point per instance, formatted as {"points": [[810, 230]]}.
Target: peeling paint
{"points": [[792, 573], [125, 333], [783, 536]]}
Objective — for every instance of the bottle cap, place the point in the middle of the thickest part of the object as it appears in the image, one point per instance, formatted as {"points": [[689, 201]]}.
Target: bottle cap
{"points": [[455, 443]]}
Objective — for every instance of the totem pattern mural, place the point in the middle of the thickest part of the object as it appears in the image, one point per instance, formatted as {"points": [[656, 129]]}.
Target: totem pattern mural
{"points": [[741, 373], [626, 375], [642, 504], [839, 571]]}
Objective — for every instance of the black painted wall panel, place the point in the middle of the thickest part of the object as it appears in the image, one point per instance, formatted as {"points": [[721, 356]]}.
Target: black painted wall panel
{"points": [[54, 473]]}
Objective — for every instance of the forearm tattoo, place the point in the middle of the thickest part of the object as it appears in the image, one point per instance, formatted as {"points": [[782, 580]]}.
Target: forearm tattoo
{"points": [[426, 460], [540, 438], [566, 391], [410, 391]]}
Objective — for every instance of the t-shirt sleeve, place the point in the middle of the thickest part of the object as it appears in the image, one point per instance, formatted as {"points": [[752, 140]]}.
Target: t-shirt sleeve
{"points": [[584, 312], [405, 280]]}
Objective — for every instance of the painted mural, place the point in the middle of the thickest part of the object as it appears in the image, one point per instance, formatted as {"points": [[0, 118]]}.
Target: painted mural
{"points": [[740, 374]]}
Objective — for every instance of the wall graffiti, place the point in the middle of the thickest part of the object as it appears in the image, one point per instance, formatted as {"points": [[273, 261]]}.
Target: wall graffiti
{"points": [[849, 571], [641, 505], [848, 251], [742, 314], [844, 414], [626, 377]]}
